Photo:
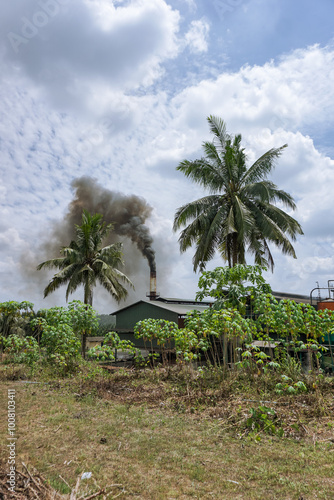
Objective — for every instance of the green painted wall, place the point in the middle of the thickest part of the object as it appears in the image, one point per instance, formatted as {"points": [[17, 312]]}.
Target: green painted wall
{"points": [[126, 319]]}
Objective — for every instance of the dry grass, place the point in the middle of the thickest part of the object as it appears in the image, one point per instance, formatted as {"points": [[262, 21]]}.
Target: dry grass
{"points": [[166, 438]]}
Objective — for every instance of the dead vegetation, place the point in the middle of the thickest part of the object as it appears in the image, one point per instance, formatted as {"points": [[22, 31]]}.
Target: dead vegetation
{"points": [[308, 415], [169, 433], [31, 485]]}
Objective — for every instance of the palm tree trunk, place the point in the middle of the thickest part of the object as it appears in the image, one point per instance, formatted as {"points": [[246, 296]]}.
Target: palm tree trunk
{"points": [[234, 249], [228, 245], [88, 300]]}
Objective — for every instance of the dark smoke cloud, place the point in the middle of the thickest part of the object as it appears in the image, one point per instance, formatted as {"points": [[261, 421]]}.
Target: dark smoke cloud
{"points": [[127, 213]]}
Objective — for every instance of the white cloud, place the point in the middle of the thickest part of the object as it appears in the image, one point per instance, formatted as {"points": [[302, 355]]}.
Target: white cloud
{"points": [[93, 60], [86, 44], [286, 94], [191, 4], [197, 36]]}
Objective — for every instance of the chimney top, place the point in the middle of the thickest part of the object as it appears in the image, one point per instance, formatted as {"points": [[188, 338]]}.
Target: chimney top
{"points": [[153, 286]]}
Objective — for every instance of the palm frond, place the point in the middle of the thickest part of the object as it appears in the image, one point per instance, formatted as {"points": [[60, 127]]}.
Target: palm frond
{"points": [[267, 192], [84, 261], [274, 232], [51, 264], [195, 209], [242, 217], [263, 165], [202, 172], [208, 236], [218, 129], [240, 213], [283, 220]]}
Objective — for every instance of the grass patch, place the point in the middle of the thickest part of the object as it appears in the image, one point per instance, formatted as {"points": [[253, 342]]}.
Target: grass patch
{"points": [[168, 434]]}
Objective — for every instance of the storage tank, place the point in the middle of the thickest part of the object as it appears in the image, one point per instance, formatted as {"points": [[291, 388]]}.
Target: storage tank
{"points": [[326, 304]]}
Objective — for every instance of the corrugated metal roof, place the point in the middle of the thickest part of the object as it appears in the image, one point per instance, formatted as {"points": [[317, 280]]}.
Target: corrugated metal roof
{"points": [[183, 301], [183, 306], [180, 309], [304, 299]]}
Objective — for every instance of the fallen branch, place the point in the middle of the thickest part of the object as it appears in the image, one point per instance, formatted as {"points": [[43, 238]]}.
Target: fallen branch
{"points": [[65, 481], [31, 477], [28, 486], [76, 489]]}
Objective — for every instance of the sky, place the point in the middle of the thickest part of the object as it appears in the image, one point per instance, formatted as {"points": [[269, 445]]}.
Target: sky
{"points": [[114, 94]]}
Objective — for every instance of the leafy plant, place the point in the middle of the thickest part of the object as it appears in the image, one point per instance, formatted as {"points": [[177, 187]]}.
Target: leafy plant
{"points": [[288, 387], [84, 321], [83, 318], [14, 317], [111, 343], [227, 329], [188, 344], [159, 332], [61, 344], [290, 320], [21, 349], [75, 321], [263, 419], [253, 357], [232, 287], [60, 329]]}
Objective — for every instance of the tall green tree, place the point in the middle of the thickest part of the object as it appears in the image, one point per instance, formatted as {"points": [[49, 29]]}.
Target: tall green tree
{"points": [[232, 287], [85, 262], [239, 214], [15, 317]]}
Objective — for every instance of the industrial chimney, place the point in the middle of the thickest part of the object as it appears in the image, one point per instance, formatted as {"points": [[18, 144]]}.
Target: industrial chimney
{"points": [[153, 286]]}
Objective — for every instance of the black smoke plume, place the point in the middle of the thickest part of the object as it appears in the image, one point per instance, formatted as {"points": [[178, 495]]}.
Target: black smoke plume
{"points": [[127, 213]]}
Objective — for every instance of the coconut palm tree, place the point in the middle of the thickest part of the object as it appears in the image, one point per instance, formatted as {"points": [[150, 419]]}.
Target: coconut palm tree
{"points": [[85, 262], [239, 214]]}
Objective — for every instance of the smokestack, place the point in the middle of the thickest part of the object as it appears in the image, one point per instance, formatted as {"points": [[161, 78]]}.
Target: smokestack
{"points": [[153, 286]]}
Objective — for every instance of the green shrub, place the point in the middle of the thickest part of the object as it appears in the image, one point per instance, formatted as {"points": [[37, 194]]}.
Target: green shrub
{"points": [[111, 343], [20, 349]]}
